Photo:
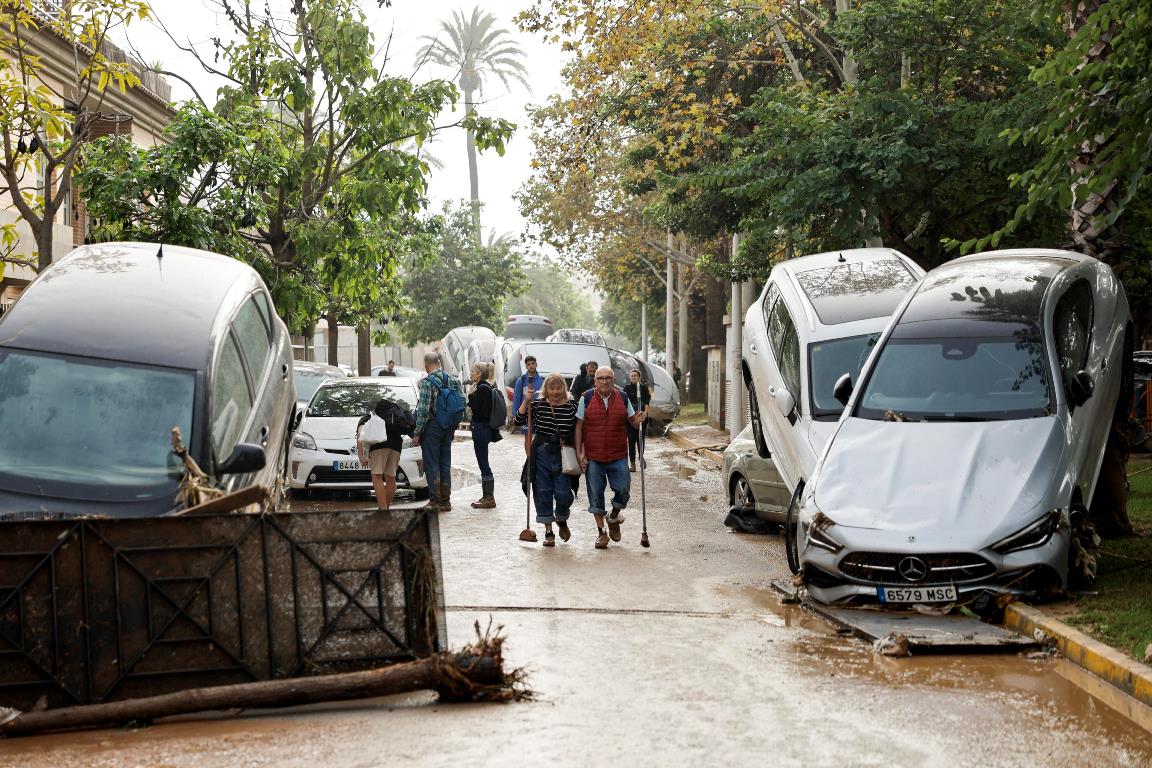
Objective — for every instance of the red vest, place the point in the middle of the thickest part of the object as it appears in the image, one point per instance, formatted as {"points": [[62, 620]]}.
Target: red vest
{"points": [[605, 435]]}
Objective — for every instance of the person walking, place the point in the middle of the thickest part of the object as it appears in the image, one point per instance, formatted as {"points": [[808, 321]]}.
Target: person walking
{"points": [[584, 380], [639, 396], [553, 426], [527, 385], [433, 438], [382, 459], [602, 416], [480, 403]]}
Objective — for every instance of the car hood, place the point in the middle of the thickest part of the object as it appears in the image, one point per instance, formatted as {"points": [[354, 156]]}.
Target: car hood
{"points": [[955, 478], [331, 428]]}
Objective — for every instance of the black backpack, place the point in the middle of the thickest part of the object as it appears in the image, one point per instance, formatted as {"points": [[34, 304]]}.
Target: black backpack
{"points": [[499, 410], [400, 418]]}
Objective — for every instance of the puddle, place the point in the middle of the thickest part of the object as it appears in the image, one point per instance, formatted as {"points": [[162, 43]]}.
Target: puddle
{"points": [[685, 470]]}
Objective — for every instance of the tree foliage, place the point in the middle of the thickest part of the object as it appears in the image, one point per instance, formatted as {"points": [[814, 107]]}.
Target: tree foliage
{"points": [[304, 167], [464, 283], [44, 126]]}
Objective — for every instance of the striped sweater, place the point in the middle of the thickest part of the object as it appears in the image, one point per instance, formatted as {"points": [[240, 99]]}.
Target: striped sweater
{"points": [[548, 419]]}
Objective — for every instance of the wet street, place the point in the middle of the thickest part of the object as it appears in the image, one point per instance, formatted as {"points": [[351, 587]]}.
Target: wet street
{"points": [[675, 655]]}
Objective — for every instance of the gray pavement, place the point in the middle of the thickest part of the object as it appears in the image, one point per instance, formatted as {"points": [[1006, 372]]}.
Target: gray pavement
{"points": [[675, 655]]}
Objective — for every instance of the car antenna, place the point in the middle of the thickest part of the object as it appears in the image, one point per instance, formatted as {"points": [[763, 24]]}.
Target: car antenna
{"points": [[160, 253], [841, 259]]}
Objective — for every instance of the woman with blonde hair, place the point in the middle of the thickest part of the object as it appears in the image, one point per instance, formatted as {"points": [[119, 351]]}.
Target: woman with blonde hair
{"points": [[480, 403], [553, 425]]}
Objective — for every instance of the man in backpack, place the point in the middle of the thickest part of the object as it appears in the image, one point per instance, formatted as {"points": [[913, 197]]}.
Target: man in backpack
{"points": [[527, 385], [439, 393]]}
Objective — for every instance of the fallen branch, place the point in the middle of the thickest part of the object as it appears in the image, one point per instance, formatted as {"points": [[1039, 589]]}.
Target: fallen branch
{"points": [[474, 673]]}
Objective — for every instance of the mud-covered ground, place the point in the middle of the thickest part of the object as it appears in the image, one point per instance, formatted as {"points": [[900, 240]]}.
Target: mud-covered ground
{"points": [[675, 655]]}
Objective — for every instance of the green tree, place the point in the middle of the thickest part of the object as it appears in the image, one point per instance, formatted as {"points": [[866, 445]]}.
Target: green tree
{"points": [[475, 48], [304, 167], [552, 294], [465, 283], [45, 127]]}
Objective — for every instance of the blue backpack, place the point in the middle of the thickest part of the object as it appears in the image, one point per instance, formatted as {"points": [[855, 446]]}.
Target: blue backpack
{"points": [[449, 402]]}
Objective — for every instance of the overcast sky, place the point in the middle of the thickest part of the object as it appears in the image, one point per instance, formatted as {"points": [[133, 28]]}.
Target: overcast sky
{"points": [[407, 21]]}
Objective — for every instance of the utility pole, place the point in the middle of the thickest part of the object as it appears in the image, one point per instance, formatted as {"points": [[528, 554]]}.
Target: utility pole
{"points": [[682, 355], [735, 412], [644, 331], [669, 304]]}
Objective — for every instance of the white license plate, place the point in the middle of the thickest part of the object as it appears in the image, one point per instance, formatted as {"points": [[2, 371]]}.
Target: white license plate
{"points": [[346, 464], [917, 594]]}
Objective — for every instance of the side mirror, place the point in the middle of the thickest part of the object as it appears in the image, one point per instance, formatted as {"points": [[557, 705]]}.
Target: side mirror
{"points": [[842, 389], [784, 401], [246, 457], [299, 417], [1079, 388]]}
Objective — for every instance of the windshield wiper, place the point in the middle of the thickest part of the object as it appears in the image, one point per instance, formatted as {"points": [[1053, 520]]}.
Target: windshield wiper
{"points": [[957, 418]]}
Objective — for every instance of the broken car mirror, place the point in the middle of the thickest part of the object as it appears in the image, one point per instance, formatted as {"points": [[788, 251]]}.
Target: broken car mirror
{"points": [[245, 457], [1079, 388], [842, 390]]}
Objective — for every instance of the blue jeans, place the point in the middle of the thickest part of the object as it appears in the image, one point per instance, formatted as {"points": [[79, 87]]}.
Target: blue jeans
{"points": [[436, 447], [552, 490], [481, 439], [614, 473]]}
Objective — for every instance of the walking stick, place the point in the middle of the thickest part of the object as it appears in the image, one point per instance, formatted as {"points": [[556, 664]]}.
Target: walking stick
{"points": [[528, 534], [643, 500]]}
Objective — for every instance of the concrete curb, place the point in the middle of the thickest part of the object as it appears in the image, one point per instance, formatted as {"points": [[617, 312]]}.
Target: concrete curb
{"points": [[1126, 675], [687, 444]]}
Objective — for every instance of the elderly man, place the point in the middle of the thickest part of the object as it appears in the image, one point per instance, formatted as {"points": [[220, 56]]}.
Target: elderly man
{"points": [[602, 417], [433, 440]]}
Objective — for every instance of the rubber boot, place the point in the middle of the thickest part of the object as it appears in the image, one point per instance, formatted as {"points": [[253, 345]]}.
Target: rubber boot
{"points": [[446, 497], [487, 500], [433, 504]]}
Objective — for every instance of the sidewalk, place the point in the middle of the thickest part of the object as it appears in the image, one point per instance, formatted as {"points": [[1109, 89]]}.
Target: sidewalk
{"points": [[1119, 681]]}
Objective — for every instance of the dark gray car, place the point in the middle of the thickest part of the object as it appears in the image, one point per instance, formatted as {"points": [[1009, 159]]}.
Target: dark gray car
{"points": [[116, 344]]}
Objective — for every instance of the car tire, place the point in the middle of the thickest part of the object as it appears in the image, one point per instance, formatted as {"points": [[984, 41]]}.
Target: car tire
{"points": [[740, 492], [791, 545], [754, 415]]}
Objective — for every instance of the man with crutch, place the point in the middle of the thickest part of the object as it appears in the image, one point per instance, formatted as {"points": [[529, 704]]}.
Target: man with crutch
{"points": [[602, 418]]}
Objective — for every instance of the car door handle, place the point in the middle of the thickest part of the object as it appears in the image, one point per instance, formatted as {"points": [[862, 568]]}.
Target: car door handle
{"points": [[264, 435], [284, 371], [753, 349]]}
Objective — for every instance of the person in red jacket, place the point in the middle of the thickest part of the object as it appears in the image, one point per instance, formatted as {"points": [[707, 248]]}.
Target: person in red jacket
{"points": [[602, 418]]}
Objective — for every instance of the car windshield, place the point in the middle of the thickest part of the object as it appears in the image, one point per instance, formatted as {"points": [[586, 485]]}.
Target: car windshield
{"points": [[828, 361], [958, 379], [91, 429], [356, 400], [308, 382]]}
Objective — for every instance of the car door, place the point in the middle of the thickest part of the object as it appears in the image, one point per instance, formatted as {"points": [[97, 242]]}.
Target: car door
{"points": [[1072, 326], [785, 428], [230, 405]]}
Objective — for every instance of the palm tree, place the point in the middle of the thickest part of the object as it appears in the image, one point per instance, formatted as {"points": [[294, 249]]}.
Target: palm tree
{"points": [[475, 49]]}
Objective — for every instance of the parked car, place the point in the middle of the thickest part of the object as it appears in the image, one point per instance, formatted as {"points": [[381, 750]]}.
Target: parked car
{"points": [[453, 348], [324, 444], [817, 318], [555, 357], [969, 451], [307, 376], [114, 345], [578, 336], [400, 370], [527, 327], [752, 481]]}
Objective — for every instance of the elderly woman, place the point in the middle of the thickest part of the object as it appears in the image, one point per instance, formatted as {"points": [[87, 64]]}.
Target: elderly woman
{"points": [[553, 425], [480, 403]]}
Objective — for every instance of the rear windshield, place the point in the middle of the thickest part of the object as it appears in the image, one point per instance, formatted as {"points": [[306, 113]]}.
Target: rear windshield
{"points": [[844, 293], [308, 383], [345, 401], [80, 428], [958, 379]]}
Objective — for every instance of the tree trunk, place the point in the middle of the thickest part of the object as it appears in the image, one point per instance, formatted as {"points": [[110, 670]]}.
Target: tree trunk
{"points": [[697, 335], [682, 332], [473, 173], [364, 350], [333, 339]]}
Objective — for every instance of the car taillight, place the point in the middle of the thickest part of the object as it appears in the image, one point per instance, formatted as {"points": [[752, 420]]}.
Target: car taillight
{"points": [[511, 392]]}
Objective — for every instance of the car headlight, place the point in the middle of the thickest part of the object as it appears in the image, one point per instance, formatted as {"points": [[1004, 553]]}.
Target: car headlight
{"points": [[818, 535], [304, 440], [1036, 534]]}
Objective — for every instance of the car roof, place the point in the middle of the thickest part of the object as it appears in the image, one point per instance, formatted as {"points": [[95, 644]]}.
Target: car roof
{"points": [[850, 285], [1001, 286], [127, 302]]}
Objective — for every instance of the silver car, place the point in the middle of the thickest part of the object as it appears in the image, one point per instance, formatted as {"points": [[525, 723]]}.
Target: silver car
{"points": [[752, 481], [969, 452]]}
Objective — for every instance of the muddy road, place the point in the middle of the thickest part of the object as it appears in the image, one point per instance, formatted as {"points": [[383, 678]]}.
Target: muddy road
{"points": [[675, 655]]}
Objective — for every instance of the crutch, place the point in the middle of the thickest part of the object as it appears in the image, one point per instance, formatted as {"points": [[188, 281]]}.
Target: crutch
{"points": [[528, 534], [643, 500]]}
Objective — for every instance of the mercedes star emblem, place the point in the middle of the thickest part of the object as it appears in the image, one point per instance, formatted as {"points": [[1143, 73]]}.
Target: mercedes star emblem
{"points": [[912, 569]]}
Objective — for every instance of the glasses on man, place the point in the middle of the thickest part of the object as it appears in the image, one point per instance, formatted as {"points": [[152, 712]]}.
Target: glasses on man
{"points": [[603, 378]]}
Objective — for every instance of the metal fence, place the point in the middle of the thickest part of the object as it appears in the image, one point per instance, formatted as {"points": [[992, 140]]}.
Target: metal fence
{"points": [[103, 610]]}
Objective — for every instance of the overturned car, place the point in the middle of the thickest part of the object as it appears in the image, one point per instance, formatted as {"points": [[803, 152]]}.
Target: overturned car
{"points": [[970, 448]]}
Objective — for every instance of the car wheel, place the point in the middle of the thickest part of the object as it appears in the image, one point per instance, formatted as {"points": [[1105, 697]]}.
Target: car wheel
{"points": [[791, 545], [741, 493], [757, 424]]}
